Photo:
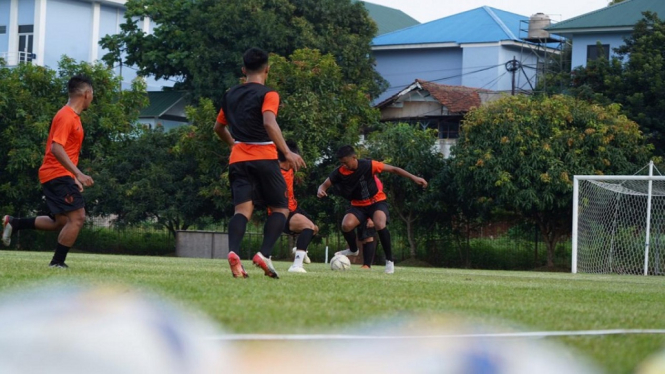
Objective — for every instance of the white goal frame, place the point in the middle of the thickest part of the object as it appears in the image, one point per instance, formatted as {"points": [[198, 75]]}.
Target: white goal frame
{"points": [[650, 178]]}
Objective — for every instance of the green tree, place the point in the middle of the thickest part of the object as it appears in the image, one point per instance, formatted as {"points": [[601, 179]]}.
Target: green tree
{"points": [[30, 96], [202, 42], [642, 83], [411, 149], [520, 153], [160, 186]]}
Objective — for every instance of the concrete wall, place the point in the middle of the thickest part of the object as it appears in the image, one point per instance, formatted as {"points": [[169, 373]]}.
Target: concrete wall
{"points": [[402, 67], [4, 21], [479, 57], [581, 42], [202, 244]]}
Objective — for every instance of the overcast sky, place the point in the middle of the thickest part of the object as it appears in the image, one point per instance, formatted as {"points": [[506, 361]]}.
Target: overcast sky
{"points": [[429, 10]]}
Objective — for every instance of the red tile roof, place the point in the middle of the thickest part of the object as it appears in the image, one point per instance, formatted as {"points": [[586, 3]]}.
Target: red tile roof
{"points": [[458, 99]]}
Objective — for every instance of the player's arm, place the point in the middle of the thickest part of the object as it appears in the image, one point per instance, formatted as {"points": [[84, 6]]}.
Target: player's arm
{"points": [[323, 188], [81, 179], [403, 173], [223, 132], [275, 134]]}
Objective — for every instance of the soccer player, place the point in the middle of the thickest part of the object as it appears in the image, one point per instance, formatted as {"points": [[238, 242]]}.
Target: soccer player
{"points": [[61, 179], [247, 122], [298, 221], [354, 180]]}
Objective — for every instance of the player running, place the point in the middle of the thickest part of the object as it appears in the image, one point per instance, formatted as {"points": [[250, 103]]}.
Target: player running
{"points": [[247, 122], [354, 180]]}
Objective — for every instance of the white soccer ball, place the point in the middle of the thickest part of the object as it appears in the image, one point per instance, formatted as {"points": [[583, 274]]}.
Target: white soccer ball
{"points": [[340, 262]]}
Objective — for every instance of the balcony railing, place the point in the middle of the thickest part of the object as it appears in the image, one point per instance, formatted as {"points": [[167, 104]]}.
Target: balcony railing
{"points": [[17, 57]]}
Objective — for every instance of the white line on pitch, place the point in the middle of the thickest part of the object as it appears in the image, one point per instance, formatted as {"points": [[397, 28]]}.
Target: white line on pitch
{"points": [[532, 334]]}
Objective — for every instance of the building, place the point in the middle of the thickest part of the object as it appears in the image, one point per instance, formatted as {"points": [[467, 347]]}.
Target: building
{"points": [[388, 19], [598, 33], [432, 105], [483, 48], [165, 109]]}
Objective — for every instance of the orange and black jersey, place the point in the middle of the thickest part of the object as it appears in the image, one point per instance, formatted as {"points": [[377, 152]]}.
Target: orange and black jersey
{"points": [[288, 177], [359, 186], [242, 111]]}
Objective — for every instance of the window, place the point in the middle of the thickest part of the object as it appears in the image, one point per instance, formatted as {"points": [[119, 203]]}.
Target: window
{"points": [[3, 29], [594, 52]]}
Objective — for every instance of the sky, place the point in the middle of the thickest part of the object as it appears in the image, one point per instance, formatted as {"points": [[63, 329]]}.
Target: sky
{"points": [[430, 10]]}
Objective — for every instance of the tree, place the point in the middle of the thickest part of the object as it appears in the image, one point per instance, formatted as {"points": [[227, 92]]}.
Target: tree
{"points": [[520, 153], [30, 96], [412, 149], [160, 186], [642, 83], [202, 42]]}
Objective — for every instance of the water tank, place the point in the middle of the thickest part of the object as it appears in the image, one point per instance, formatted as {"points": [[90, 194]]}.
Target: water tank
{"points": [[537, 24]]}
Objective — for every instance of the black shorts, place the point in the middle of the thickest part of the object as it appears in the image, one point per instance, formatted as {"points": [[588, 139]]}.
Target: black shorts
{"points": [[362, 213], [288, 220], [364, 232], [62, 195], [259, 181]]}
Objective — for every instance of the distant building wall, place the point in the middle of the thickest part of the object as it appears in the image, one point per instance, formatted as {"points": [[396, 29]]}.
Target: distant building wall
{"points": [[4, 21], [582, 41], [401, 67], [68, 31], [478, 57]]}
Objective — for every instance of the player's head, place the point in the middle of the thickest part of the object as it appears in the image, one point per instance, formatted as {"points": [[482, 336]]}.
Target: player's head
{"points": [[293, 147], [80, 86], [255, 60], [347, 157]]}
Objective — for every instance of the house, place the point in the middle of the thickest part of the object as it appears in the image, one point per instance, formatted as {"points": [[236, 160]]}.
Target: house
{"points": [[42, 31], [166, 109], [598, 33], [437, 106], [484, 48]]}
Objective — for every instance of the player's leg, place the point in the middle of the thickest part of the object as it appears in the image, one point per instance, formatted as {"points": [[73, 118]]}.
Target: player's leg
{"points": [[366, 237], [299, 223], [12, 224], [272, 190], [350, 221], [73, 223], [380, 217], [241, 191]]}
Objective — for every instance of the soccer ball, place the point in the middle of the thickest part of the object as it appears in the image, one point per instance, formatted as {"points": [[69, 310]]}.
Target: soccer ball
{"points": [[340, 262]]}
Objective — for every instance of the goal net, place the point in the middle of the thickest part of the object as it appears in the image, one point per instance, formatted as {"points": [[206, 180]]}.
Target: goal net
{"points": [[619, 225]]}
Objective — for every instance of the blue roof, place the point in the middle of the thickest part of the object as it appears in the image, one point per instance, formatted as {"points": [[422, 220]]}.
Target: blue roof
{"points": [[484, 24]]}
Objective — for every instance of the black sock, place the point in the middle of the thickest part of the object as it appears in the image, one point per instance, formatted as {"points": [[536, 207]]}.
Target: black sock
{"points": [[351, 240], [271, 232], [237, 227], [60, 254], [304, 239], [368, 253], [384, 236], [22, 223]]}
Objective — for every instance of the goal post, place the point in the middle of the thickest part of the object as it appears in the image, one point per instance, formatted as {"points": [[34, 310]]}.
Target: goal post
{"points": [[618, 224]]}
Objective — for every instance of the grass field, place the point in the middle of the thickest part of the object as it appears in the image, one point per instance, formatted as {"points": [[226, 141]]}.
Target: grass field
{"points": [[323, 301]]}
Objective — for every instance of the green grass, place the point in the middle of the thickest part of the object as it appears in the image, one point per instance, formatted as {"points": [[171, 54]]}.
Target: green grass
{"points": [[325, 301]]}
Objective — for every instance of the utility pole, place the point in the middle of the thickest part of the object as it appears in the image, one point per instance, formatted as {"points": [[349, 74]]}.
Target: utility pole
{"points": [[512, 66]]}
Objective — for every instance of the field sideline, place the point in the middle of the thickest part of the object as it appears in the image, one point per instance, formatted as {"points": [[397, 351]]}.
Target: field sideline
{"points": [[323, 301]]}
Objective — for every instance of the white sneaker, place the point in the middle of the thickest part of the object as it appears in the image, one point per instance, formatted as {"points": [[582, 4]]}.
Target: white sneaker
{"points": [[305, 260], [6, 231], [347, 252], [297, 269], [390, 267]]}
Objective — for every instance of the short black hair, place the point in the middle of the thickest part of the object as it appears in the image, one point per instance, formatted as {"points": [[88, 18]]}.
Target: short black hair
{"points": [[293, 147], [254, 59], [345, 151], [78, 84]]}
